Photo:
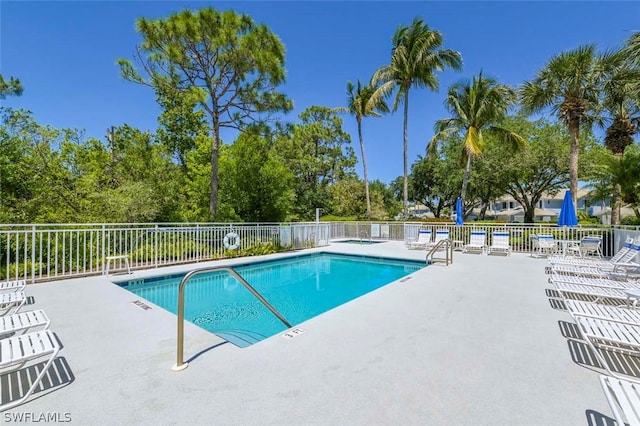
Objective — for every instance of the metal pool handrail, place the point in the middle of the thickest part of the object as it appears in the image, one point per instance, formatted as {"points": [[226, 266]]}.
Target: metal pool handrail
{"points": [[180, 364], [448, 251]]}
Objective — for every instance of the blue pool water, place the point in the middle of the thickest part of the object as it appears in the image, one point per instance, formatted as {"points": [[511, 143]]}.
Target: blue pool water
{"points": [[299, 288]]}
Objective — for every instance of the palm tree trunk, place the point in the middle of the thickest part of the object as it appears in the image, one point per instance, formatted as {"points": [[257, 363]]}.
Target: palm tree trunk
{"points": [[574, 132], [465, 178], [616, 206], [364, 166], [405, 186]]}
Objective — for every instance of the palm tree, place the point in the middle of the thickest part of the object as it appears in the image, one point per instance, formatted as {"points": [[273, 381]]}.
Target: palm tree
{"points": [[621, 104], [476, 106], [416, 56], [362, 103], [569, 83]]}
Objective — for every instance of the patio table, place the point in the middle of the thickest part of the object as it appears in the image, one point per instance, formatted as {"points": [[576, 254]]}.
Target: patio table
{"points": [[565, 244]]}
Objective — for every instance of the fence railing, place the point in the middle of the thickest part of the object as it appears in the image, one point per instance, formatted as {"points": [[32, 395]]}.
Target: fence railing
{"points": [[519, 234], [55, 251], [48, 252]]}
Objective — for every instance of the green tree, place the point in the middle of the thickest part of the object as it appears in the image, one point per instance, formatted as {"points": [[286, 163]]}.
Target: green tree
{"points": [[224, 60], [11, 87], [569, 84], [390, 206], [180, 123], [530, 174], [362, 103], [621, 105], [476, 106], [435, 179], [416, 56], [269, 196], [621, 173], [317, 151]]}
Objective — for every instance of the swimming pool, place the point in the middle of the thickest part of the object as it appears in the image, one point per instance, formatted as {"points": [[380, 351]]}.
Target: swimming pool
{"points": [[299, 287]]}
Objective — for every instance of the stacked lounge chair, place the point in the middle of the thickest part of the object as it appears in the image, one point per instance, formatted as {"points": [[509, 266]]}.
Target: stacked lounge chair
{"points": [[20, 345], [605, 326]]}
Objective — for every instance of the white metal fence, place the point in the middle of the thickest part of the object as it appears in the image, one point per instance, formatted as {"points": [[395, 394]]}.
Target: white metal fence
{"points": [[519, 234], [55, 251], [47, 252]]}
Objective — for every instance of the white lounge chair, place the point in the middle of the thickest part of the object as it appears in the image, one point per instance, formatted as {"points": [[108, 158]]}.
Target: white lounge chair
{"points": [[23, 322], [595, 282], [548, 244], [18, 351], [624, 399], [622, 272], [477, 242], [11, 302], [598, 293], [424, 238], [543, 245], [13, 285], [599, 310], [500, 243], [441, 234], [588, 246], [613, 335], [625, 255]]}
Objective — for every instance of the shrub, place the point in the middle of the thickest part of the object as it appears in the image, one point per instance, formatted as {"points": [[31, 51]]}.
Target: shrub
{"points": [[631, 221]]}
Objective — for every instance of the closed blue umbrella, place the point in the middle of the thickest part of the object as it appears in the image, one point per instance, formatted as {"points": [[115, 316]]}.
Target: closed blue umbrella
{"points": [[568, 212], [459, 212]]}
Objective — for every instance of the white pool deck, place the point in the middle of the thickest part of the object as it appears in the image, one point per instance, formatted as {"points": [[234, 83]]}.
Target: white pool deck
{"points": [[474, 343]]}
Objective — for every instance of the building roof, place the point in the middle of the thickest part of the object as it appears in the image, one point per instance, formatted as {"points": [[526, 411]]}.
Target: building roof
{"points": [[520, 211], [624, 211], [582, 193]]}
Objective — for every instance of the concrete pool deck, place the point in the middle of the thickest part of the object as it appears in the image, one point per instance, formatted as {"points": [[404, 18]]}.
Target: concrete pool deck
{"points": [[474, 343]]}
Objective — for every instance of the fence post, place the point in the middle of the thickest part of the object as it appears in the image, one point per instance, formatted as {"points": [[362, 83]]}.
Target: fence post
{"points": [[33, 254], [103, 246], [155, 245]]}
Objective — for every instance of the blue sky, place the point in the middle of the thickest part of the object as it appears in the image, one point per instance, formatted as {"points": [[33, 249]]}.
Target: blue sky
{"points": [[65, 55]]}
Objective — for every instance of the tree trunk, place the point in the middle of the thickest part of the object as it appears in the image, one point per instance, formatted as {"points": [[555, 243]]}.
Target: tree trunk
{"points": [[215, 150], [364, 167], [405, 187], [529, 215], [465, 178], [574, 132], [483, 211], [616, 205]]}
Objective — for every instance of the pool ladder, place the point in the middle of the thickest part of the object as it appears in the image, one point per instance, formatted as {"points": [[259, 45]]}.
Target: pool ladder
{"points": [[180, 364], [448, 249]]}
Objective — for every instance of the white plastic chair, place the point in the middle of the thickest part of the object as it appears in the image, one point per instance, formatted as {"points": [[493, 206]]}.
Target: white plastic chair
{"points": [[23, 322], [624, 399], [424, 239], [11, 302], [588, 246], [13, 285], [500, 243], [477, 242], [17, 351], [547, 244], [441, 234]]}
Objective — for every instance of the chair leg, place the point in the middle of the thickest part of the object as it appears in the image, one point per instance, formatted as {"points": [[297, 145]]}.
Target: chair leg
{"points": [[35, 383]]}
